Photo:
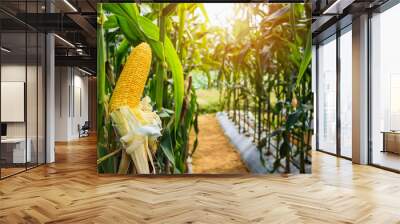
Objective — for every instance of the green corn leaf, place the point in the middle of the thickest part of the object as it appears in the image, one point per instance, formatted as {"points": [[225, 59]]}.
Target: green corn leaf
{"points": [[130, 29], [101, 95], [285, 148], [157, 48], [306, 60], [126, 10], [159, 86], [101, 58], [122, 52], [112, 22], [166, 146], [108, 156], [148, 28], [130, 10], [293, 118], [114, 8], [176, 68]]}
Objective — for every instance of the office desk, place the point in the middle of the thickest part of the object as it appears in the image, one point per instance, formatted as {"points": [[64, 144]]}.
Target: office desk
{"points": [[13, 150], [391, 141]]}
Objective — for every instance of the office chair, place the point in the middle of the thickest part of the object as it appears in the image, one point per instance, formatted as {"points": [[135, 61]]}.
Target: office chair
{"points": [[84, 130]]}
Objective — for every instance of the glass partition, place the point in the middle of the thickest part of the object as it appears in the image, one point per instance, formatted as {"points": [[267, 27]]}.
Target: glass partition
{"points": [[41, 96], [13, 95], [327, 96], [22, 89], [385, 89], [346, 93], [32, 98]]}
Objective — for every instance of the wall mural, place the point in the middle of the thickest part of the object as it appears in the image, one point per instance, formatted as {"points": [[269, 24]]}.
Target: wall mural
{"points": [[196, 88]]}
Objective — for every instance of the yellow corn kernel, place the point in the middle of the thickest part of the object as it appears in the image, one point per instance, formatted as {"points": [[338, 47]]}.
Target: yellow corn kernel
{"points": [[129, 88]]}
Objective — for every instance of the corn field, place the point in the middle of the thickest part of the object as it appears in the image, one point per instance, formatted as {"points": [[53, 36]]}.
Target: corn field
{"points": [[147, 102]]}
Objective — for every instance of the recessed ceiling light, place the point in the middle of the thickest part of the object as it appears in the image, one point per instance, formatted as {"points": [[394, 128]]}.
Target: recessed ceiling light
{"points": [[337, 7], [70, 5], [65, 41], [84, 71], [5, 50]]}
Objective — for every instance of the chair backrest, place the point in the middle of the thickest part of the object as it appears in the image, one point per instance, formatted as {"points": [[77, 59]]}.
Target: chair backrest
{"points": [[86, 125]]}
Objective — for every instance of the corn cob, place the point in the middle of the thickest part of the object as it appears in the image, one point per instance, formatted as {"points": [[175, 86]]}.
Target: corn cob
{"points": [[133, 119], [129, 88], [294, 102]]}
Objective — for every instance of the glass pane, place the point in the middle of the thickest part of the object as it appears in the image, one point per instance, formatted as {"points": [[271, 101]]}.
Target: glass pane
{"points": [[386, 89], [346, 94], [41, 99], [13, 86], [314, 89], [327, 97], [22, 87], [32, 98]]}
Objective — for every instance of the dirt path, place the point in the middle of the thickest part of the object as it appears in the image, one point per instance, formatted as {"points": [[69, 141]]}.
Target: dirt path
{"points": [[215, 154]]}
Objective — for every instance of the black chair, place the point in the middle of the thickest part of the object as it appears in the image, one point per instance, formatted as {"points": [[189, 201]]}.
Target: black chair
{"points": [[84, 130]]}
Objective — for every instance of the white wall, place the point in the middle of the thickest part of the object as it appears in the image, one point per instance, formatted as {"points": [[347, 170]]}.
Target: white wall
{"points": [[16, 73], [33, 127], [62, 81], [71, 102], [80, 109], [12, 73]]}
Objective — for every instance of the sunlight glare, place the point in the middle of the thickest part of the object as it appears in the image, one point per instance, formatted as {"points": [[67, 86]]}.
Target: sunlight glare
{"points": [[220, 14]]}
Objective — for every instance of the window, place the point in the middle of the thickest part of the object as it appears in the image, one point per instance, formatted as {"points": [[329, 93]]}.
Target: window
{"points": [[385, 89], [346, 93], [327, 96]]}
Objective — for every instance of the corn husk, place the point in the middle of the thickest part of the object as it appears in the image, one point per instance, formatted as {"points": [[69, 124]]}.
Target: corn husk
{"points": [[136, 126]]}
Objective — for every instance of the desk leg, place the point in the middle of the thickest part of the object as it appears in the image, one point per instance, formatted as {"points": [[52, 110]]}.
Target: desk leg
{"points": [[384, 142]]}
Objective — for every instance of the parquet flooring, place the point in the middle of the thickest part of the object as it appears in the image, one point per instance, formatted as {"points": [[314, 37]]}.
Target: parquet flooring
{"points": [[70, 191], [7, 171]]}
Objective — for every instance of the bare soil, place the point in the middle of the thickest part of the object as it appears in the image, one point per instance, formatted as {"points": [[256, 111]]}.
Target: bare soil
{"points": [[215, 154]]}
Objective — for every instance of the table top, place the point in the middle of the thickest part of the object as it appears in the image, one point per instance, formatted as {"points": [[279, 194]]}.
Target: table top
{"points": [[391, 132], [13, 140]]}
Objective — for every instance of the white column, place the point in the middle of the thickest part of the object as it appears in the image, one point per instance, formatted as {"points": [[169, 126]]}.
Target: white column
{"points": [[360, 90], [50, 98]]}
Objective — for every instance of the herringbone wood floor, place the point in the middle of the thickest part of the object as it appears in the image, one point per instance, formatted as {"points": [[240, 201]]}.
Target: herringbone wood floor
{"points": [[70, 191]]}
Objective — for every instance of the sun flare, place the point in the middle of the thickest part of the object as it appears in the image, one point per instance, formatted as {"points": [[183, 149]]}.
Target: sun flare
{"points": [[220, 14]]}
